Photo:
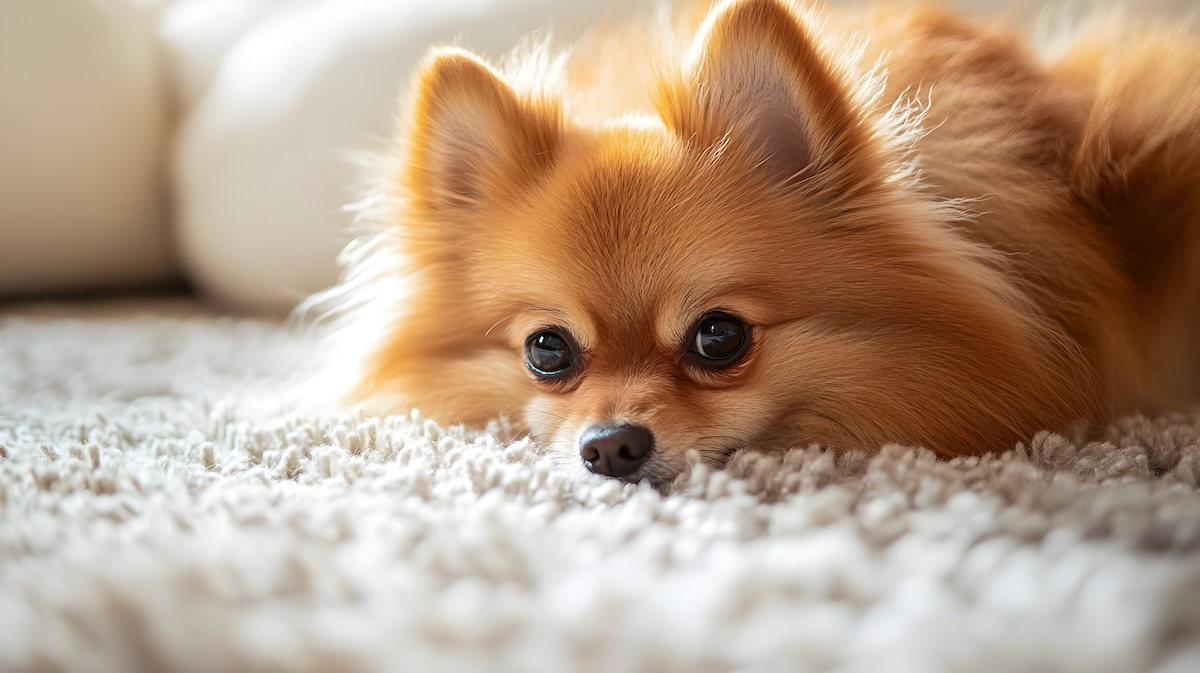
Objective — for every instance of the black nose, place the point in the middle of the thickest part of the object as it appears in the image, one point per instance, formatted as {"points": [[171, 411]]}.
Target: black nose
{"points": [[615, 450]]}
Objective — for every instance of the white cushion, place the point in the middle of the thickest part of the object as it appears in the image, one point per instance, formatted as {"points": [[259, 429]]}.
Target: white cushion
{"points": [[83, 123], [197, 34], [263, 165]]}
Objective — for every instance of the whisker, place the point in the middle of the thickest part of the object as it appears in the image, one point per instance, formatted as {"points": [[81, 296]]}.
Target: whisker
{"points": [[721, 438], [550, 414]]}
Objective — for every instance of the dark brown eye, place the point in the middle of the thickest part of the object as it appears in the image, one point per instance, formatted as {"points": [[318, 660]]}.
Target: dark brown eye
{"points": [[720, 340], [548, 354]]}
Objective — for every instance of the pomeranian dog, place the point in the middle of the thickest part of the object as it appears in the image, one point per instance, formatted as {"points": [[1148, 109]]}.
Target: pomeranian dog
{"points": [[845, 228]]}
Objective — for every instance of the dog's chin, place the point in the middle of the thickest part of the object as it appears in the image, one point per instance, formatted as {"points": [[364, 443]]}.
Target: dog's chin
{"points": [[660, 477], [664, 471]]}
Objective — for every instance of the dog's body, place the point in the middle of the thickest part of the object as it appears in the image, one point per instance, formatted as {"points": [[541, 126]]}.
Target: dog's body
{"points": [[958, 248]]}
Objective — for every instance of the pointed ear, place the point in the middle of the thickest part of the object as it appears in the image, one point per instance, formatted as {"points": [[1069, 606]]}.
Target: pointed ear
{"points": [[473, 137], [756, 78]]}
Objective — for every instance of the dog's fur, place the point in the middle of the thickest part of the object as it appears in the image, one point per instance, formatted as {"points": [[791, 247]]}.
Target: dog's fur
{"points": [[938, 236]]}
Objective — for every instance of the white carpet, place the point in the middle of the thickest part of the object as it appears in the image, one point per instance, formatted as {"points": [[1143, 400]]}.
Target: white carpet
{"points": [[164, 506]]}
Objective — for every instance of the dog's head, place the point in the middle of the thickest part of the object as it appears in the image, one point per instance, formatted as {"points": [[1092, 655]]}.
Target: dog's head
{"points": [[743, 269]]}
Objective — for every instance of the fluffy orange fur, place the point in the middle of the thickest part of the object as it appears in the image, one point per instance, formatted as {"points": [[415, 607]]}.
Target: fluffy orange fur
{"points": [[936, 236]]}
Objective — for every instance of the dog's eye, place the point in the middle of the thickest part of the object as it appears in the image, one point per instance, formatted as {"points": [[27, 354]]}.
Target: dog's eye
{"points": [[721, 339], [548, 353]]}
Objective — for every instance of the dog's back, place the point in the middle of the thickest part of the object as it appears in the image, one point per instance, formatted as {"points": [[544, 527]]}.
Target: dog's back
{"points": [[1083, 161], [1138, 171]]}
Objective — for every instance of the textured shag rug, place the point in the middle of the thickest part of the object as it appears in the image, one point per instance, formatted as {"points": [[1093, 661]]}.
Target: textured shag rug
{"points": [[165, 505]]}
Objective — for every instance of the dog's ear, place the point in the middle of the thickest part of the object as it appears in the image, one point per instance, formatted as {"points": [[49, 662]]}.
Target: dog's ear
{"points": [[472, 135], [755, 78]]}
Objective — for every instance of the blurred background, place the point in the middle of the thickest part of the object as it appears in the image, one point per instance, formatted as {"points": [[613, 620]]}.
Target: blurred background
{"points": [[208, 145]]}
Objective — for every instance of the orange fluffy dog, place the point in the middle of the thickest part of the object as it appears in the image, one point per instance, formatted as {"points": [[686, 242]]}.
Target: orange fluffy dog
{"points": [[850, 230]]}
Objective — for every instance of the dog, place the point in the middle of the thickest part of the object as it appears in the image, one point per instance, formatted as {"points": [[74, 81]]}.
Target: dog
{"points": [[847, 228]]}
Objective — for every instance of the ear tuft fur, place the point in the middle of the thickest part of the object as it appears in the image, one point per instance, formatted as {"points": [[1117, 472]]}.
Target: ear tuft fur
{"points": [[754, 75], [473, 135]]}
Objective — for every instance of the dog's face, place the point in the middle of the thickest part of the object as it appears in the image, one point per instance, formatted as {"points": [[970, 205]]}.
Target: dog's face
{"points": [[740, 272]]}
